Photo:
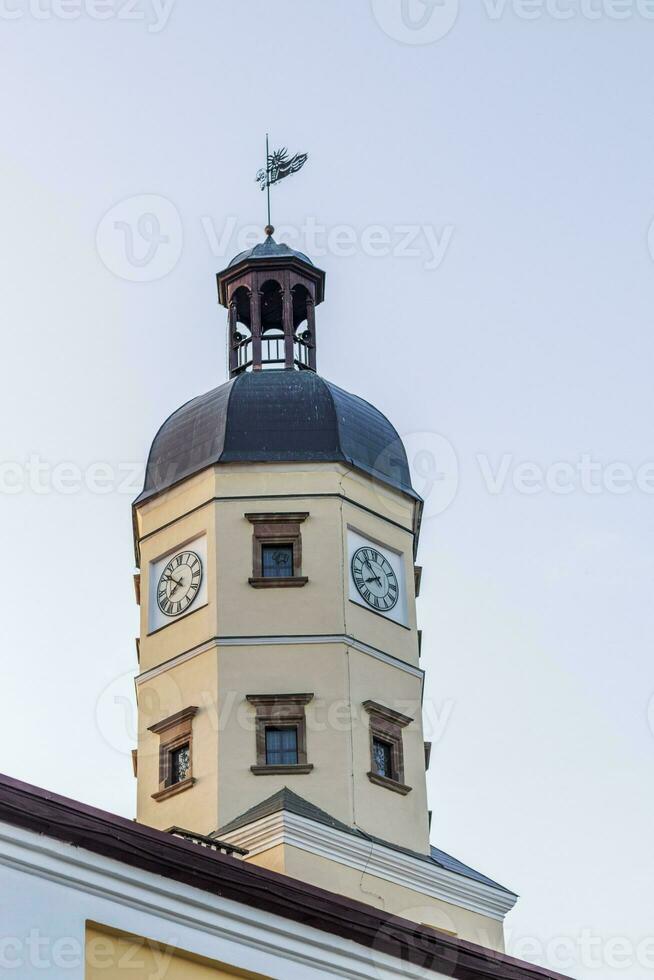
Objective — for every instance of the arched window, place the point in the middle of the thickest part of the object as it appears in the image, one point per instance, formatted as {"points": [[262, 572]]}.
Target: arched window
{"points": [[240, 331], [272, 326], [303, 341]]}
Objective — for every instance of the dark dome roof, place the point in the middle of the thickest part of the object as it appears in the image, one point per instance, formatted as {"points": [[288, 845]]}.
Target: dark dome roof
{"points": [[276, 416], [269, 249]]}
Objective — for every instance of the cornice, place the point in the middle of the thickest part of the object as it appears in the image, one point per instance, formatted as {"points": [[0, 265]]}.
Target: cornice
{"points": [[373, 859], [139, 539], [308, 639]]}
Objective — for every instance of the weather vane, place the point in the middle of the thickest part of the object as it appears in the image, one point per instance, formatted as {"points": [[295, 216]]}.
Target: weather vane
{"points": [[278, 166]]}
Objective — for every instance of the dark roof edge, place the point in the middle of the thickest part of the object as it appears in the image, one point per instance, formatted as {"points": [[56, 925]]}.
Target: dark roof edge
{"points": [[115, 837], [369, 470], [143, 496]]}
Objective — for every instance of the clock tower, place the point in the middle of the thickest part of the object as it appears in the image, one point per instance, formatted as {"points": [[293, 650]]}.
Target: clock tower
{"points": [[280, 686]]}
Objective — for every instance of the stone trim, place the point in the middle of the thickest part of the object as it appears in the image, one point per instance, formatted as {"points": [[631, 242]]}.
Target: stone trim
{"points": [[280, 709], [386, 724], [276, 528], [285, 640], [174, 732], [392, 784], [298, 770]]}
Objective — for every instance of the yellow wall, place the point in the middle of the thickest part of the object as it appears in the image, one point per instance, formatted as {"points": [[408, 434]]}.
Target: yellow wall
{"points": [[341, 676], [110, 954], [192, 683], [338, 746], [234, 607]]}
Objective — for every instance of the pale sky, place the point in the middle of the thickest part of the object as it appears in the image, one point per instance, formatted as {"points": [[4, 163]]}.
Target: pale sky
{"points": [[479, 190]]}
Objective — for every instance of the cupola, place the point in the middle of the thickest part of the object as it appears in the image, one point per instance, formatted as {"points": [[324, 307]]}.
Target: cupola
{"points": [[271, 292]]}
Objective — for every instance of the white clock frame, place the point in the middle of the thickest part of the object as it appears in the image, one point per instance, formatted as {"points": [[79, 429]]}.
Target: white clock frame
{"points": [[356, 540], [157, 619]]}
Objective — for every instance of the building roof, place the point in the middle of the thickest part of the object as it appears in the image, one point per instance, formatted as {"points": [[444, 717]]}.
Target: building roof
{"points": [[286, 799], [276, 416], [269, 249], [157, 852]]}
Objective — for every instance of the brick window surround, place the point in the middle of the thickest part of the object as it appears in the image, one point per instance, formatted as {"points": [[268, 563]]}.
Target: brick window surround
{"points": [[280, 711], [386, 726], [174, 733], [276, 529]]}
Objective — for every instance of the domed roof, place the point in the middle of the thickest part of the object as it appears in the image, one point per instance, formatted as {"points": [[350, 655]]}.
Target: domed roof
{"points": [[276, 416], [270, 249]]}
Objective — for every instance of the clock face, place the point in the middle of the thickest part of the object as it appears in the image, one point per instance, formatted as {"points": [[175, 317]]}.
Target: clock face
{"points": [[179, 583], [374, 579]]}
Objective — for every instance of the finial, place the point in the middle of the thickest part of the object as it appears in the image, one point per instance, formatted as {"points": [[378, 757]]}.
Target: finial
{"points": [[269, 230]]}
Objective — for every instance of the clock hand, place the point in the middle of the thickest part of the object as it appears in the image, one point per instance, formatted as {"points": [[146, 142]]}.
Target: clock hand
{"points": [[375, 578], [178, 582]]}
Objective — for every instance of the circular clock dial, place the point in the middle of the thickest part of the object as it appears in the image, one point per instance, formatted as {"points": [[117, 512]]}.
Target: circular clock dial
{"points": [[179, 583], [374, 579]]}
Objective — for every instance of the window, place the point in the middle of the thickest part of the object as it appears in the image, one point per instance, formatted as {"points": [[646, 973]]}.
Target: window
{"points": [[281, 733], [281, 746], [180, 764], [277, 560], [175, 753], [386, 749], [381, 758], [276, 550]]}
